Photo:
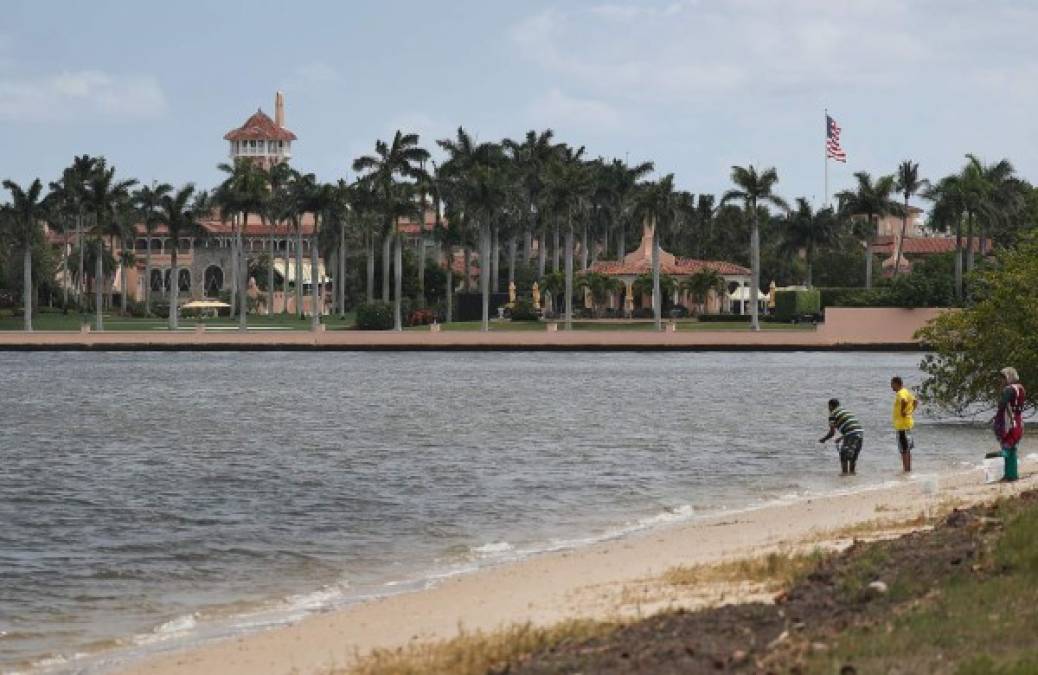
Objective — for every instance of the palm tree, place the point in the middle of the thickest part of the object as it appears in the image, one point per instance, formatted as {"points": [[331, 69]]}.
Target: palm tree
{"points": [[316, 198], [623, 180], [147, 200], [531, 157], [400, 158], [103, 196], [600, 287], [754, 188], [181, 217], [244, 191], [805, 231], [948, 198], [569, 184], [699, 285], [272, 214], [28, 209], [75, 179], [908, 184], [656, 206], [873, 201], [553, 285]]}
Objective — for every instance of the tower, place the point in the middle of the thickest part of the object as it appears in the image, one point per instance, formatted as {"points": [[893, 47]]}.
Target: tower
{"points": [[261, 139]]}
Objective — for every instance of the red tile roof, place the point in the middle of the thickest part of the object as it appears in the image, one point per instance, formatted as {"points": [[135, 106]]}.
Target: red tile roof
{"points": [[680, 267], [259, 127], [923, 245]]}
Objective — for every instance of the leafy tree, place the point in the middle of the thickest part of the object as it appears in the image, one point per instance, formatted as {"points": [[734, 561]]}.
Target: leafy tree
{"points": [[599, 287], [700, 284], [872, 200], [656, 205], [908, 184], [1000, 328], [806, 231], [754, 188]]}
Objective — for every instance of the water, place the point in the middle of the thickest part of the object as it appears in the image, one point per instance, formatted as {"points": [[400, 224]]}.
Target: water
{"points": [[148, 499]]}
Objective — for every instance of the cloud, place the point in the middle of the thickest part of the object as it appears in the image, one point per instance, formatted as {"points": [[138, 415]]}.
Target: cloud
{"points": [[557, 110], [312, 75], [80, 95]]}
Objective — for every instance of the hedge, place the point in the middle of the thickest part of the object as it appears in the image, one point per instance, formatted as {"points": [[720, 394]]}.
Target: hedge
{"points": [[375, 316]]}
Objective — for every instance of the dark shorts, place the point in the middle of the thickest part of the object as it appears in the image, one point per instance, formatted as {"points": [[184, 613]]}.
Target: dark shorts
{"points": [[905, 442], [850, 447]]}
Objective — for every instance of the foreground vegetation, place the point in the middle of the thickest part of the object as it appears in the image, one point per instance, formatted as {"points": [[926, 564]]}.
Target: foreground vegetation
{"points": [[960, 598]]}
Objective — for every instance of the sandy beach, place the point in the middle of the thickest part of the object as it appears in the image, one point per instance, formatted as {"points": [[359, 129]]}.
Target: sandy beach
{"points": [[614, 579]]}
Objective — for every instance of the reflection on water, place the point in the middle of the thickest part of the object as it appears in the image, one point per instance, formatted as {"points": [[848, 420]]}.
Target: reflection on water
{"points": [[139, 489]]}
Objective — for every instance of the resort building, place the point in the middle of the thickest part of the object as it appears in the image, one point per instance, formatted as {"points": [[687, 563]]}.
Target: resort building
{"points": [[639, 262]]}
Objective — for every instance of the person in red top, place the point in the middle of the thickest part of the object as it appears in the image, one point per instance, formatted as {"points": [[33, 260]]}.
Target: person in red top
{"points": [[1008, 422]]}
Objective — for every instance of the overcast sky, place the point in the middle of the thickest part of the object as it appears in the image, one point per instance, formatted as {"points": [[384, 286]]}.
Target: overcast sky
{"points": [[695, 85]]}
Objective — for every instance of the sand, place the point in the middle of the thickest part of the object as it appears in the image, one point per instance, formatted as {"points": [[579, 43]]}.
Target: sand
{"points": [[618, 578]]}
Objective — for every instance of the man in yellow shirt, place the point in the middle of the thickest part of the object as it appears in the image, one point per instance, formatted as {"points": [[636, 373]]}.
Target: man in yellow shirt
{"points": [[905, 404]]}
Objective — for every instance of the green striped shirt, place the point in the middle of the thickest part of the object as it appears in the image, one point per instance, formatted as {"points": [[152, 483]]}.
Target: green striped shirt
{"points": [[844, 422]]}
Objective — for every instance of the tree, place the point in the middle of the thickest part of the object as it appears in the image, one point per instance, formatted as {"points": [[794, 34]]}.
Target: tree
{"points": [[569, 184], [316, 198], [531, 157], [401, 158], [181, 217], [908, 184], [599, 287], [754, 188], [28, 209], [147, 200], [999, 329], [103, 195], [805, 231], [700, 284], [656, 205], [273, 213], [244, 191], [873, 201]]}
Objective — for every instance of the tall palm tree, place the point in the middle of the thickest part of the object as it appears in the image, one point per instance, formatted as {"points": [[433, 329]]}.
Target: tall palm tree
{"points": [[147, 200], [656, 206], [530, 158], [872, 200], [75, 179], [272, 213], [753, 189], [623, 186], [244, 191], [315, 198], [399, 159], [600, 287], [28, 209], [181, 217], [569, 186], [103, 195], [805, 231], [908, 184]]}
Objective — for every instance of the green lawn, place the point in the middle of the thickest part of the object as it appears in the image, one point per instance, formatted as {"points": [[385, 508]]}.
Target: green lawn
{"points": [[71, 322], [642, 325]]}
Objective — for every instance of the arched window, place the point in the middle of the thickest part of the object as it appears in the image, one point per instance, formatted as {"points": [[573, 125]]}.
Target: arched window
{"points": [[158, 280], [184, 275], [212, 281]]}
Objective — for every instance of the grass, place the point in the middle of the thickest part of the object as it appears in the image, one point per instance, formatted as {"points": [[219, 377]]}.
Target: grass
{"points": [[497, 325], [49, 320], [976, 621], [476, 653], [774, 571]]}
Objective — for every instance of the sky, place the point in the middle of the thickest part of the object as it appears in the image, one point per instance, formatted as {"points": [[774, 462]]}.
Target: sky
{"points": [[695, 86]]}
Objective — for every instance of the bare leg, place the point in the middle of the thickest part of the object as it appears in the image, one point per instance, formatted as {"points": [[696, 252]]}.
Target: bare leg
{"points": [[906, 460]]}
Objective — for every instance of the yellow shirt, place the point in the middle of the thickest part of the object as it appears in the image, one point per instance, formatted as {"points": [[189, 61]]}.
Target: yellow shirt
{"points": [[903, 422]]}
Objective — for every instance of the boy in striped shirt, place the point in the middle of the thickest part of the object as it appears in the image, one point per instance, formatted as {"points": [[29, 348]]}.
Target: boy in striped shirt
{"points": [[851, 435]]}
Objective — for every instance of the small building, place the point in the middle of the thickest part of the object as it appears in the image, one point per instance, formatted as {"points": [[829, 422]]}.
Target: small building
{"points": [[639, 262], [264, 140]]}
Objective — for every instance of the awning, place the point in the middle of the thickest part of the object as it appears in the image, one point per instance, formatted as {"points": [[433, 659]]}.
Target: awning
{"points": [[279, 267]]}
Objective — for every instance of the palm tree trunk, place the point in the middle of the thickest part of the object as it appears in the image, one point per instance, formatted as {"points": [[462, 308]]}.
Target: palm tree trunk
{"points": [[495, 258], [468, 270], [527, 245], [868, 266], [370, 244], [315, 280], [174, 289], [969, 241], [556, 250], [123, 289], [512, 245], [299, 270], [27, 284], [755, 263], [147, 276], [64, 271], [243, 308], [958, 258], [81, 281], [421, 267], [485, 271], [569, 274], [657, 296], [234, 272], [387, 252], [621, 243], [284, 278], [901, 240], [340, 286], [398, 278], [542, 253], [98, 287], [270, 276], [584, 250], [449, 292], [110, 288]]}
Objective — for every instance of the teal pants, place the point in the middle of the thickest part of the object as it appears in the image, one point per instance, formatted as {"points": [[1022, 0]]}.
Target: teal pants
{"points": [[1012, 473]]}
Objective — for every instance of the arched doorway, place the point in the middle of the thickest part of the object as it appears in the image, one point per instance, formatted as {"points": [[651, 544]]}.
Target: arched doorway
{"points": [[212, 281], [157, 281], [184, 277]]}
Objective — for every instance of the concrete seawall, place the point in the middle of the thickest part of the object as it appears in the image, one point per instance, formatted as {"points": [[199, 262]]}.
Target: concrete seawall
{"points": [[844, 329]]}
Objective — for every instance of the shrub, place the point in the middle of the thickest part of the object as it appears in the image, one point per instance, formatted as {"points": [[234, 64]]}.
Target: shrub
{"points": [[678, 312], [791, 305], [642, 313], [724, 318], [375, 316], [523, 311], [421, 317]]}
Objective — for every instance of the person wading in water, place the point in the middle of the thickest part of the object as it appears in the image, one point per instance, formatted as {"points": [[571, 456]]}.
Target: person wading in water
{"points": [[905, 404], [1008, 422], [851, 436]]}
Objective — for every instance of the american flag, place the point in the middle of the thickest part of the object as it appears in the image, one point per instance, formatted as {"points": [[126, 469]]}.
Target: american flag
{"points": [[832, 141]]}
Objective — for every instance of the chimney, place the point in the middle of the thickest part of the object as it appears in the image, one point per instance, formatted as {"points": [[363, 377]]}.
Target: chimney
{"points": [[279, 109]]}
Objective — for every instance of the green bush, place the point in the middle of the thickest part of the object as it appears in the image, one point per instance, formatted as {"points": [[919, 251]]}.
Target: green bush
{"points": [[724, 318], [791, 305], [375, 316], [524, 311]]}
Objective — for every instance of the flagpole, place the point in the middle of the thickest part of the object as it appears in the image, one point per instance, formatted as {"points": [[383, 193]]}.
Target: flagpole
{"points": [[825, 155]]}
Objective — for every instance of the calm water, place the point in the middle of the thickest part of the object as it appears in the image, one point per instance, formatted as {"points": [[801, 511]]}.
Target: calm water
{"points": [[146, 499]]}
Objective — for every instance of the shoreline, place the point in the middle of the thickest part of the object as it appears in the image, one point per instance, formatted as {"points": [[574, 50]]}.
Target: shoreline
{"points": [[605, 580]]}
